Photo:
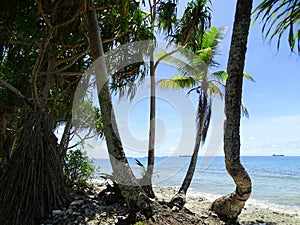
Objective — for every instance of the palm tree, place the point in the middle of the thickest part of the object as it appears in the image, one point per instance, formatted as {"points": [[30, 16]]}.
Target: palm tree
{"points": [[278, 17], [194, 22], [229, 207], [123, 174], [195, 76]]}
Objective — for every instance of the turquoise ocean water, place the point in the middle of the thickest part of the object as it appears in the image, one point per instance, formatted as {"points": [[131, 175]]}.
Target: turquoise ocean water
{"points": [[275, 179]]}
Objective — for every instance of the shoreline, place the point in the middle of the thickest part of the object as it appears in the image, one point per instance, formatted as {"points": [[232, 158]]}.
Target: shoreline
{"points": [[252, 214]]}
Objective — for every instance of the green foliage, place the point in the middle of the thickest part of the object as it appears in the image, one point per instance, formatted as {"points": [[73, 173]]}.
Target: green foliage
{"points": [[194, 22], [279, 17], [177, 82], [78, 168], [143, 171], [167, 16], [211, 41], [143, 168]]}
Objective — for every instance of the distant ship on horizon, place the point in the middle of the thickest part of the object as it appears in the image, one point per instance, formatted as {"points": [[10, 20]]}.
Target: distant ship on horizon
{"points": [[277, 155]]}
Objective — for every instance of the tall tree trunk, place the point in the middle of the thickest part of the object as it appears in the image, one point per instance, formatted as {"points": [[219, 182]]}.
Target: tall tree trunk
{"points": [[179, 199], [229, 207], [147, 186], [4, 153], [130, 188], [147, 180]]}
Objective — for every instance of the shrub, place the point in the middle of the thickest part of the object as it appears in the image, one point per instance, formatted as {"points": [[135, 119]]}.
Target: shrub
{"points": [[78, 168]]}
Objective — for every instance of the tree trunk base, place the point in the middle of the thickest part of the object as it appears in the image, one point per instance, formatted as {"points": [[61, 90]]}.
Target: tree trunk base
{"points": [[147, 188], [228, 208], [178, 200], [148, 191]]}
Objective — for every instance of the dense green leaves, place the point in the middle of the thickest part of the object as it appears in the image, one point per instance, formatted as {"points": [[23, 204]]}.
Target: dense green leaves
{"points": [[191, 27], [78, 168], [167, 16]]}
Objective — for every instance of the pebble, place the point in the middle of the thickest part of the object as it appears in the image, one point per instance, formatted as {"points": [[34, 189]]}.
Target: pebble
{"points": [[104, 214], [204, 216], [214, 215], [77, 202], [56, 212], [89, 210]]}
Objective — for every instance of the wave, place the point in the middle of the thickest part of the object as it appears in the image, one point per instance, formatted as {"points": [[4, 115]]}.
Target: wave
{"points": [[251, 203]]}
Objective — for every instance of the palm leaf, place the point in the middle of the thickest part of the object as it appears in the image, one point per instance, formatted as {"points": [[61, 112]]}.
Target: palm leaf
{"points": [[138, 162], [211, 41], [279, 17], [177, 82], [244, 110], [248, 77], [167, 16], [220, 76], [206, 121], [216, 89]]}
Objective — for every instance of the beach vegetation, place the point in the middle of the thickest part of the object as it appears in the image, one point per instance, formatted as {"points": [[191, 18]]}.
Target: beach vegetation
{"points": [[184, 32], [44, 51], [45, 48], [78, 168], [195, 76]]}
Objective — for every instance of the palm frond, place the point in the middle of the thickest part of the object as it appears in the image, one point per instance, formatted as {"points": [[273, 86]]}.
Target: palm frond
{"points": [[248, 77], [177, 82], [203, 114], [167, 16], [138, 162], [211, 41], [195, 20], [279, 17], [206, 122], [220, 76], [244, 110], [223, 75], [216, 89]]}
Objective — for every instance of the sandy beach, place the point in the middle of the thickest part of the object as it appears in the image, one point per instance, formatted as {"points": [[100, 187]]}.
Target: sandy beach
{"points": [[250, 215], [93, 209]]}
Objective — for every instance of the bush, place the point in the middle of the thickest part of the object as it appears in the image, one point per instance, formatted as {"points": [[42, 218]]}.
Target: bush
{"points": [[78, 168]]}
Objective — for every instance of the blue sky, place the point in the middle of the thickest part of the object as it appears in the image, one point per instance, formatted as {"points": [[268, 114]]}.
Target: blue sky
{"points": [[273, 103], [273, 100]]}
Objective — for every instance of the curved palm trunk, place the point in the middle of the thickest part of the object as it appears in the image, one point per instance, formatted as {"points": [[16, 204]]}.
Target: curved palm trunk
{"points": [[179, 199], [229, 207], [123, 174]]}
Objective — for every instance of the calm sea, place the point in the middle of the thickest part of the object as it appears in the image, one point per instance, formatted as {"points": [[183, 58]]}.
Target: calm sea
{"points": [[275, 179]]}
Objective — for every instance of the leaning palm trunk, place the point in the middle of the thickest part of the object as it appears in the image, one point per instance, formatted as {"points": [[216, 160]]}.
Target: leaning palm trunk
{"points": [[130, 188], [204, 112], [229, 207]]}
